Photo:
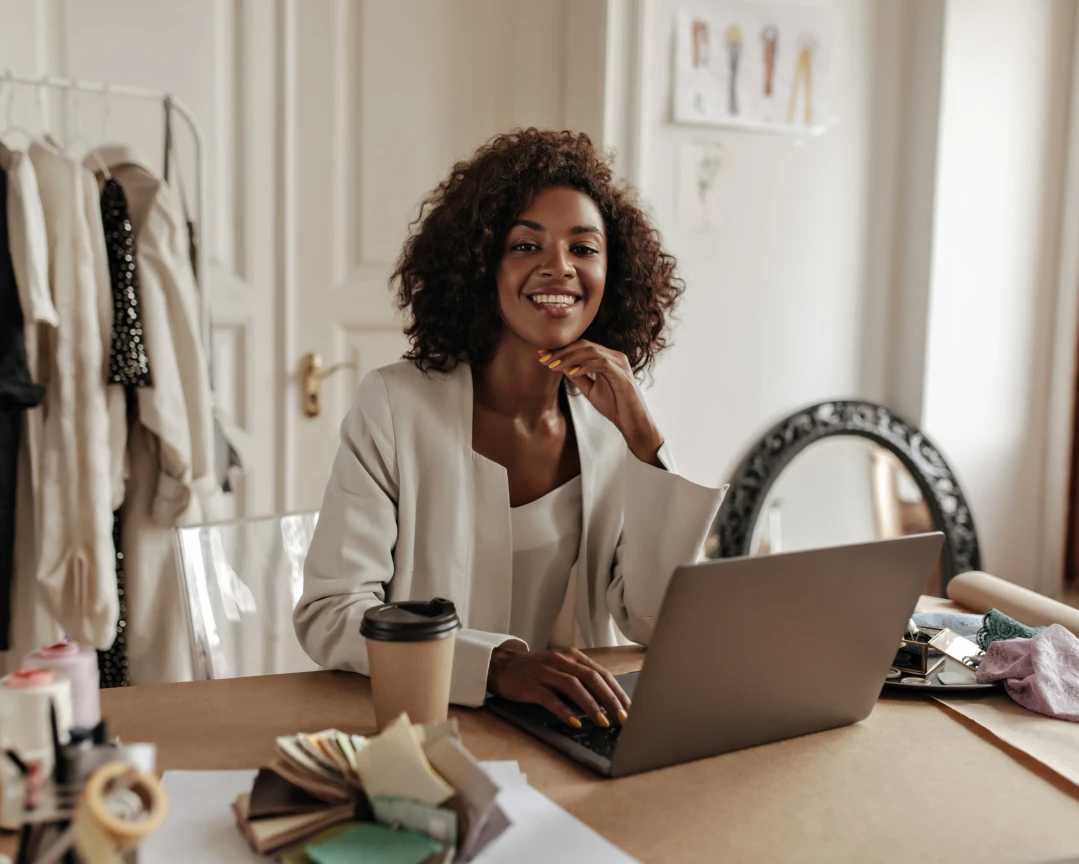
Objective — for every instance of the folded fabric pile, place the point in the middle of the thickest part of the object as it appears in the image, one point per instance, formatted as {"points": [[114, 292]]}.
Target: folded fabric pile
{"points": [[409, 795], [1040, 672]]}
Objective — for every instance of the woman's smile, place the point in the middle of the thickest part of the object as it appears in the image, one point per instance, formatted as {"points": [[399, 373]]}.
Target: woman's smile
{"points": [[557, 302]]}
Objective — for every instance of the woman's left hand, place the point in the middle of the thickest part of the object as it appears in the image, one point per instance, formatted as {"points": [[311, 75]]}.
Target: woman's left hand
{"points": [[606, 380]]}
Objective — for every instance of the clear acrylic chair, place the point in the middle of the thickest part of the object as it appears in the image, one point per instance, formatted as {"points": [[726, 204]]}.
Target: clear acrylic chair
{"points": [[241, 580]]}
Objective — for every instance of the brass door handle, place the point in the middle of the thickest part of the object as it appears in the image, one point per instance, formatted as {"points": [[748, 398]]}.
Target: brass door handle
{"points": [[313, 375]]}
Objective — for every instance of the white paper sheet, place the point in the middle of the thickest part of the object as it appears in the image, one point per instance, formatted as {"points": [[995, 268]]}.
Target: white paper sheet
{"points": [[699, 169], [200, 825], [541, 831], [505, 773]]}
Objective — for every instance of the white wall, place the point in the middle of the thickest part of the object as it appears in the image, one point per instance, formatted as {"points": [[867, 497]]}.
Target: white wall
{"points": [[843, 463], [788, 295], [1004, 107], [910, 256]]}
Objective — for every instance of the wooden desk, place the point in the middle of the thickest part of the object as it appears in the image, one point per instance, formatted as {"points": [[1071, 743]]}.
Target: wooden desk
{"points": [[913, 783], [910, 784]]}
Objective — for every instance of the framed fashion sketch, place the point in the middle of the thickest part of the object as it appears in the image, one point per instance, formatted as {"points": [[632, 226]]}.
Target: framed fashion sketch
{"points": [[766, 67]]}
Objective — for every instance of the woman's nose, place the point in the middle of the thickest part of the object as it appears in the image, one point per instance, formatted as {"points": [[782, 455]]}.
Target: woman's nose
{"points": [[557, 265]]}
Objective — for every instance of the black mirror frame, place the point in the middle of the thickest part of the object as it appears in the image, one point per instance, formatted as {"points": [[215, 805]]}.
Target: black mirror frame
{"points": [[783, 442]]}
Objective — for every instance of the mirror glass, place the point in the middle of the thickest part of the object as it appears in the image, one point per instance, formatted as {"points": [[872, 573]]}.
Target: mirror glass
{"points": [[841, 490]]}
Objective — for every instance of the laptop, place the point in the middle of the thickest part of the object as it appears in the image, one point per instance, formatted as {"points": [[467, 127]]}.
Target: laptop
{"points": [[747, 651]]}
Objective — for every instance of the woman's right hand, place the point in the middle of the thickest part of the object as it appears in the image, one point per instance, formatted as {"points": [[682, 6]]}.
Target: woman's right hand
{"points": [[548, 678]]}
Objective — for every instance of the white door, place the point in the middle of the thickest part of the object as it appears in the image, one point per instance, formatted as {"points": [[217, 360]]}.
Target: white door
{"points": [[386, 97]]}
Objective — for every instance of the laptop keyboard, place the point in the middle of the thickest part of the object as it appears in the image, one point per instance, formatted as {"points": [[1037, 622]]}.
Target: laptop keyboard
{"points": [[590, 736]]}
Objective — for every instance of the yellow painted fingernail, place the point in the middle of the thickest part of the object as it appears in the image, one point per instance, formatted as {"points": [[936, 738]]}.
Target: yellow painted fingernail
{"points": [[622, 715], [574, 370], [574, 722], [543, 351], [601, 720], [553, 365], [544, 357]]}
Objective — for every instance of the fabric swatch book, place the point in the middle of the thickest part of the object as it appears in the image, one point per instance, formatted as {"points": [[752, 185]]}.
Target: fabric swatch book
{"points": [[323, 787]]}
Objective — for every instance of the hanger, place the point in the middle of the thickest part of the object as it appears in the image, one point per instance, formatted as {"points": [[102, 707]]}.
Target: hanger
{"points": [[78, 139], [106, 117], [12, 126], [42, 115]]}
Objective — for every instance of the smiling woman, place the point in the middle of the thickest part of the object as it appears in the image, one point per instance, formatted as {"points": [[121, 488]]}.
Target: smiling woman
{"points": [[551, 277], [510, 464], [448, 276]]}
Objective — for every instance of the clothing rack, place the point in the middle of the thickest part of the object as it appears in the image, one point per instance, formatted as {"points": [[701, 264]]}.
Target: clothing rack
{"points": [[170, 104]]}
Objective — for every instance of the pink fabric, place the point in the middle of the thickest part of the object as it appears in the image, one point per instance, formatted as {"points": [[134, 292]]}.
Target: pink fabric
{"points": [[1041, 673]]}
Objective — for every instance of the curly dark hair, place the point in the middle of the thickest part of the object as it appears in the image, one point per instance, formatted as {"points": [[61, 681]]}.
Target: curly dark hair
{"points": [[445, 277]]}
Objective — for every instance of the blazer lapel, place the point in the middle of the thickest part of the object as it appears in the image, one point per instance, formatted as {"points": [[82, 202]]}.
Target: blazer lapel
{"points": [[491, 591]]}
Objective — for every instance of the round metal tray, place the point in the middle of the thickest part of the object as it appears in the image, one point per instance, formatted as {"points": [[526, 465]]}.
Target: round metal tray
{"points": [[932, 684]]}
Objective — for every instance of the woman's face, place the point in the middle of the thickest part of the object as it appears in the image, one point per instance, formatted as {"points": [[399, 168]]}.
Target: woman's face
{"points": [[553, 269]]}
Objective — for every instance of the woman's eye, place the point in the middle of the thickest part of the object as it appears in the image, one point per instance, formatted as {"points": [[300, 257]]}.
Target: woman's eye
{"points": [[585, 250], [525, 246]]}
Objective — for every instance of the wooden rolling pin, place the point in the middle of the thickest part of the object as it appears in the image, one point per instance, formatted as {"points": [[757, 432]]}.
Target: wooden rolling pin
{"points": [[980, 592]]}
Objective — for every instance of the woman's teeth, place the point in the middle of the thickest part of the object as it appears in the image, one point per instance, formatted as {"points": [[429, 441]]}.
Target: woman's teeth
{"points": [[553, 299]]}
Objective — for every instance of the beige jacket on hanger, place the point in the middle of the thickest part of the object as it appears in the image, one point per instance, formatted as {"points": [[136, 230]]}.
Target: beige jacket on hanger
{"points": [[77, 566], [409, 514], [31, 625], [170, 475]]}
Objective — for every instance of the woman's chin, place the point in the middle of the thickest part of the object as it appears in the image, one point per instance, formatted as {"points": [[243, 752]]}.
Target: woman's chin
{"points": [[553, 338]]}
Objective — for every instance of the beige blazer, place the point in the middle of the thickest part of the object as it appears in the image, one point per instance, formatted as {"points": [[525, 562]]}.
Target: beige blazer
{"points": [[170, 469], [408, 514]]}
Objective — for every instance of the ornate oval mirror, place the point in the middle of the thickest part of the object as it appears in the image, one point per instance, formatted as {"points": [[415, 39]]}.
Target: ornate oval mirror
{"points": [[845, 472]]}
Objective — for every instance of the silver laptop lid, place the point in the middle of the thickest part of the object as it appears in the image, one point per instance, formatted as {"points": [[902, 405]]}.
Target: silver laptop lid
{"points": [[752, 650]]}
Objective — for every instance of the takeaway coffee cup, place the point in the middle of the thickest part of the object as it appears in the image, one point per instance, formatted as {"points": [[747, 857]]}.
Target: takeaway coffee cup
{"points": [[410, 655]]}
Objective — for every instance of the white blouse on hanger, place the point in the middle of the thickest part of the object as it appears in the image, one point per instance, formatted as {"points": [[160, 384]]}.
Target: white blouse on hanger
{"points": [[77, 567]]}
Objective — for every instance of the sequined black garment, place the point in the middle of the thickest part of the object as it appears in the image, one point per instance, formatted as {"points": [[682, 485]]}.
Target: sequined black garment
{"points": [[128, 363], [130, 367], [112, 664]]}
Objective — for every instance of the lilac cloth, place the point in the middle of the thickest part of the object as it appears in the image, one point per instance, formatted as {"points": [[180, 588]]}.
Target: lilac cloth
{"points": [[1041, 673]]}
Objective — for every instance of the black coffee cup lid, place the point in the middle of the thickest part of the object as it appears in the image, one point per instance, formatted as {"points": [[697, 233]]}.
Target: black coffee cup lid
{"points": [[410, 621]]}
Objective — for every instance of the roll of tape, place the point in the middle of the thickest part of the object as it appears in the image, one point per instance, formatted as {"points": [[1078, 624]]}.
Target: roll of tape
{"points": [[98, 799]]}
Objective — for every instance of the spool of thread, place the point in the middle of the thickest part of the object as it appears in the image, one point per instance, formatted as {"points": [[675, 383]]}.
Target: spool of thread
{"points": [[25, 719], [79, 665]]}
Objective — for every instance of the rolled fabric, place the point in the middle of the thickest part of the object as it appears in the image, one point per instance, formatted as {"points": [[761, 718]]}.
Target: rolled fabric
{"points": [[981, 592]]}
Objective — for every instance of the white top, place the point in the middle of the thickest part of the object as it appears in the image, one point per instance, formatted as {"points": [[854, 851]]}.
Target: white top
{"points": [[546, 541]]}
